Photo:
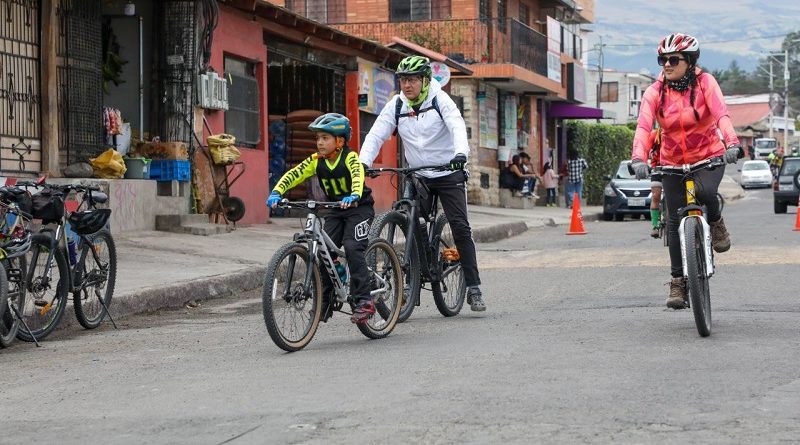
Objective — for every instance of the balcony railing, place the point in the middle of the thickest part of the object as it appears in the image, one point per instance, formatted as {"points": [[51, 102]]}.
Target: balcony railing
{"points": [[466, 41]]}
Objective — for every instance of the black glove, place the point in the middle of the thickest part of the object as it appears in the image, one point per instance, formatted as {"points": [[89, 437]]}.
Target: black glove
{"points": [[458, 162], [734, 153], [639, 169]]}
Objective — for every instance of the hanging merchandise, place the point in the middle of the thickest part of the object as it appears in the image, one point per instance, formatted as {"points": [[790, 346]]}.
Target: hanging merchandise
{"points": [[112, 120]]}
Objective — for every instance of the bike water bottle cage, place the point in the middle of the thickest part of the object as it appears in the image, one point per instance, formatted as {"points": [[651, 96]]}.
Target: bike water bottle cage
{"points": [[412, 113]]}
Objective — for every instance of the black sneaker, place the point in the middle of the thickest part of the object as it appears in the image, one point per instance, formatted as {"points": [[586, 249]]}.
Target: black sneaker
{"points": [[475, 299]]}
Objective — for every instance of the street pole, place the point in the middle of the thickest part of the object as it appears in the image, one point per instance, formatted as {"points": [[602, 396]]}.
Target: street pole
{"points": [[770, 96], [785, 99], [600, 73]]}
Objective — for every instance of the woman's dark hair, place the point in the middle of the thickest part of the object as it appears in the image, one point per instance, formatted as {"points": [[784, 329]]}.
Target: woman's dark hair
{"points": [[515, 160], [572, 154], [546, 166]]}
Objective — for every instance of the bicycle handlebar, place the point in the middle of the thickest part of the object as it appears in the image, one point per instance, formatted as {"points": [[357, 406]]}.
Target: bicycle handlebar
{"points": [[685, 169], [406, 170], [310, 204]]}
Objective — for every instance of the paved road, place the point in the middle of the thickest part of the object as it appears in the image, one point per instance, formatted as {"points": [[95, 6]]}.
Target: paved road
{"points": [[576, 347]]}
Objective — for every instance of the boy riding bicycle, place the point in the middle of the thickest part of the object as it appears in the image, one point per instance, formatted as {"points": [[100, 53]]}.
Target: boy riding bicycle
{"points": [[341, 177]]}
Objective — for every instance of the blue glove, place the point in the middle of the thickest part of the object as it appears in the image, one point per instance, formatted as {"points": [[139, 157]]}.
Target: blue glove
{"points": [[458, 162], [347, 201], [274, 199], [733, 153], [639, 169]]}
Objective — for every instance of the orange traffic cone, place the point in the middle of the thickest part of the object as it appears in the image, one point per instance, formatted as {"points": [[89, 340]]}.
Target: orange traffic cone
{"points": [[576, 224], [797, 221]]}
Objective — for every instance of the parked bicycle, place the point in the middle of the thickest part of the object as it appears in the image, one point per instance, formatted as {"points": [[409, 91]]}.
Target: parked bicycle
{"points": [[426, 249], [15, 241], [85, 266], [293, 301], [695, 239]]}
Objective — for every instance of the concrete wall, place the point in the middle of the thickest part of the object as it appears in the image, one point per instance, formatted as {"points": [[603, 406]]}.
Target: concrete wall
{"points": [[134, 203]]}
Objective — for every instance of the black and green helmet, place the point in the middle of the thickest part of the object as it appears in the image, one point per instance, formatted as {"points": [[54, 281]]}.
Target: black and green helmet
{"points": [[414, 66]]}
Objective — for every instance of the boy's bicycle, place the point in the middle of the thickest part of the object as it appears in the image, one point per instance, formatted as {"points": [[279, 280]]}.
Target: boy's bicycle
{"points": [[695, 239], [427, 250], [57, 267], [293, 301]]}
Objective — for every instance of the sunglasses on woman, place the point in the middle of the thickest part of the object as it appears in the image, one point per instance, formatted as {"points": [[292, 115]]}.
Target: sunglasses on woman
{"points": [[673, 60]]}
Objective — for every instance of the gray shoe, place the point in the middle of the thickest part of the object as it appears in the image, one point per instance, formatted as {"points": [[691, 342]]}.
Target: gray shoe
{"points": [[677, 293], [475, 299], [720, 239]]}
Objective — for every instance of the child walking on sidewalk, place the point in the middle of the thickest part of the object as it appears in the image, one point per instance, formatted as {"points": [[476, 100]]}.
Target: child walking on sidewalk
{"points": [[550, 181]]}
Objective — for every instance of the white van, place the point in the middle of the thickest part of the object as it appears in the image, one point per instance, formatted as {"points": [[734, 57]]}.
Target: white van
{"points": [[764, 146]]}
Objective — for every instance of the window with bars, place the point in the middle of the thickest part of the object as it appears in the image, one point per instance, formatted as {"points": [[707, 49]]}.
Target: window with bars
{"points": [[609, 92], [323, 11], [417, 10], [243, 117], [502, 14], [484, 11], [524, 14]]}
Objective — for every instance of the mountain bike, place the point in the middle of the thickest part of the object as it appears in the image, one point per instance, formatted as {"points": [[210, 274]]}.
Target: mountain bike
{"points": [[695, 238], [85, 265], [293, 302], [427, 250]]}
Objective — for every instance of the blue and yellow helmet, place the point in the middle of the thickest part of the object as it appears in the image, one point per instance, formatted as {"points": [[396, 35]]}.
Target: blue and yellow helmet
{"points": [[333, 123]]}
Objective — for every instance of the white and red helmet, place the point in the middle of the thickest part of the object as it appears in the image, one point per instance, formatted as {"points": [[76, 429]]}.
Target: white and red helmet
{"points": [[678, 43]]}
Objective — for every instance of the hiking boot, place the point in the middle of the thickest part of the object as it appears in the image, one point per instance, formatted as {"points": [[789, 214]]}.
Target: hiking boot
{"points": [[475, 299], [677, 293], [720, 240], [363, 310]]}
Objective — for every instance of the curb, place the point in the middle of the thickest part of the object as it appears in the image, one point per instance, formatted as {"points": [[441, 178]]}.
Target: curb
{"points": [[496, 233]]}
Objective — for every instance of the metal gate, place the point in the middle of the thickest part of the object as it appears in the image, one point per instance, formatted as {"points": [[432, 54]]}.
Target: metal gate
{"points": [[20, 104], [79, 79]]}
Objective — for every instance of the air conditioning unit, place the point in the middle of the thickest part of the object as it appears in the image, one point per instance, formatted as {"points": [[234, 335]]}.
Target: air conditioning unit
{"points": [[212, 91]]}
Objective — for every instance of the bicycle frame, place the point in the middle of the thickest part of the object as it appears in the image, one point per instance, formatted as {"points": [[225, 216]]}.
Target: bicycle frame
{"points": [[693, 210], [321, 249], [410, 205]]}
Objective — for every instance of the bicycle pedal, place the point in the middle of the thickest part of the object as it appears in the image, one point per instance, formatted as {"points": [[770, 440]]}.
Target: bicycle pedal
{"points": [[39, 302], [451, 254]]}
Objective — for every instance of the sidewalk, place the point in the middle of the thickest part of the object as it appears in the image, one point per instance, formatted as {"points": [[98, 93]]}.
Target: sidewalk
{"points": [[162, 269]]}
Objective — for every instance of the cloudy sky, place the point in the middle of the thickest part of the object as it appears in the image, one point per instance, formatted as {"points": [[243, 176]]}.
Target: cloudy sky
{"points": [[727, 29]]}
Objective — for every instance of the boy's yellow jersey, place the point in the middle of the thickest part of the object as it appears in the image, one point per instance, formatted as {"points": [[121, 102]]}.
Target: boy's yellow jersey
{"points": [[339, 178]]}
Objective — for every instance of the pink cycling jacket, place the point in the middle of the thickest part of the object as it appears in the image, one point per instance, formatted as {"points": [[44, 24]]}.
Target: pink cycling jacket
{"points": [[684, 140]]}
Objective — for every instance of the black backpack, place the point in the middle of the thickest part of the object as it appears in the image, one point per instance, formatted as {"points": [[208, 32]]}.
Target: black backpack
{"points": [[399, 106]]}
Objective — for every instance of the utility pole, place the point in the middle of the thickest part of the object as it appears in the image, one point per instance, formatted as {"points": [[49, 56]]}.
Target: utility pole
{"points": [[599, 72], [785, 99], [771, 89]]}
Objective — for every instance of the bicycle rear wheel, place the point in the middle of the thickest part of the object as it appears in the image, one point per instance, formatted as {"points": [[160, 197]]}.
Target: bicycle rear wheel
{"points": [[392, 226], [697, 279], [291, 312], [47, 294], [449, 291], [99, 277], [387, 290], [15, 270]]}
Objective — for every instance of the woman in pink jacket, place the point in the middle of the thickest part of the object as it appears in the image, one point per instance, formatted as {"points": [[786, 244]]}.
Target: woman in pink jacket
{"points": [[688, 105]]}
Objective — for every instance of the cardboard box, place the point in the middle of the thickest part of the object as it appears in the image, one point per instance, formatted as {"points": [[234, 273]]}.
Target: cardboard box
{"points": [[163, 150]]}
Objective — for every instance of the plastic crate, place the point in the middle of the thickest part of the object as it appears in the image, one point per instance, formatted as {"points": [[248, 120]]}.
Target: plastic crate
{"points": [[170, 170]]}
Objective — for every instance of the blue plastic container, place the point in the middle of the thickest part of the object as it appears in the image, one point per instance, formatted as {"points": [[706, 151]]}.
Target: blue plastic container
{"points": [[170, 170]]}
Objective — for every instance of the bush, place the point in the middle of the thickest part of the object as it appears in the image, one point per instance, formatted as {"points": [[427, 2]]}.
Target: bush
{"points": [[603, 146]]}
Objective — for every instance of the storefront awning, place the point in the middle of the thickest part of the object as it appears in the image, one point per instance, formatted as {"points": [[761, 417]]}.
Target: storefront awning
{"points": [[565, 110]]}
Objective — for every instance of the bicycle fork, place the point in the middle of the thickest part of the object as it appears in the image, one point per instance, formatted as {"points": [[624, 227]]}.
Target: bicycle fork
{"points": [[692, 210]]}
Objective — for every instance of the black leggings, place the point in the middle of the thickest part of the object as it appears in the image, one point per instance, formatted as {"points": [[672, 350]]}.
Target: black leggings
{"points": [[706, 183]]}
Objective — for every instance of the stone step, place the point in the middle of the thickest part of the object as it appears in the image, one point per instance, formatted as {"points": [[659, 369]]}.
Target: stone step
{"points": [[510, 201], [166, 222], [207, 229]]}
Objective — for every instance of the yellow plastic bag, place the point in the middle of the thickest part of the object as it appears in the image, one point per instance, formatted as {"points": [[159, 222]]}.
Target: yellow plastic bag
{"points": [[222, 149], [108, 165]]}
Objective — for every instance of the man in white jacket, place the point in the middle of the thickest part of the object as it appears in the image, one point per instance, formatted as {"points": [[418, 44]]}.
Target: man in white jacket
{"points": [[433, 133]]}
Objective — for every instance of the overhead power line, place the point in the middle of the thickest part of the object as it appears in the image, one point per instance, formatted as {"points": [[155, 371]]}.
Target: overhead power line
{"points": [[618, 45]]}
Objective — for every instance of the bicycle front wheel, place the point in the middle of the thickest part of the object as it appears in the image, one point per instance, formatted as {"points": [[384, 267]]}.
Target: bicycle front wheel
{"points": [[386, 277], [449, 291], [15, 270], [291, 311], [697, 279], [392, 226], [47, 293], [93, 297]]}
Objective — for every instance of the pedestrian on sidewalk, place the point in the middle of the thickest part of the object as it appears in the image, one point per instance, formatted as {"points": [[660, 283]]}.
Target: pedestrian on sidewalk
{"points": [[532, 175], [433, 132], [576, 165], [341, 177], [522, 184], [550, 182], [689, 107]]}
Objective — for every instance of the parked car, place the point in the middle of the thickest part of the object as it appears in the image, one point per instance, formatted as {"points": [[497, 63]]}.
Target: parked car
{"points": [[755, 174], [625, 195], [786, 188]]}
